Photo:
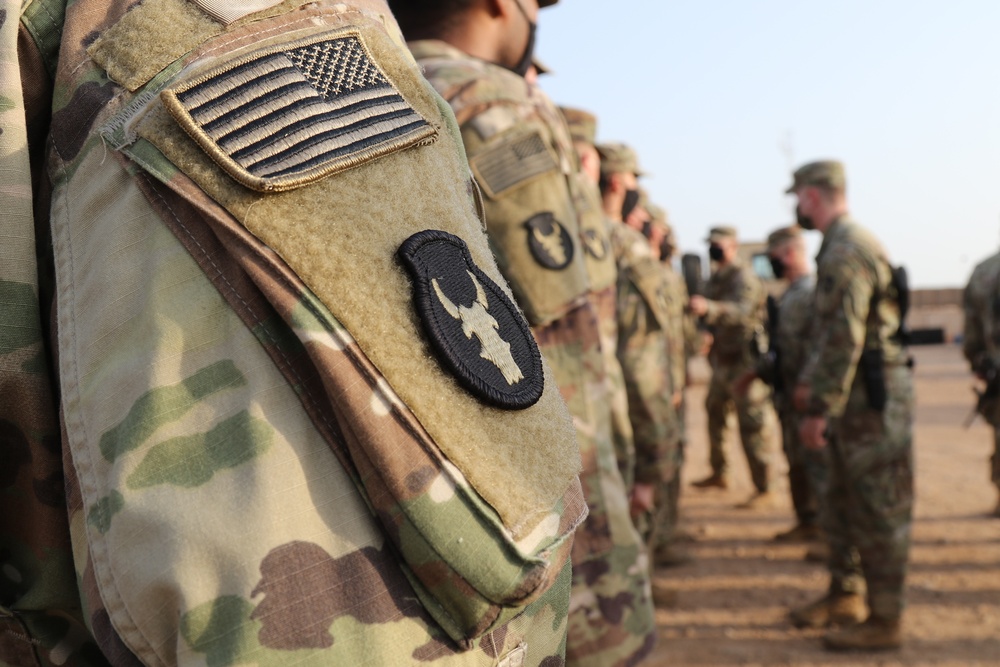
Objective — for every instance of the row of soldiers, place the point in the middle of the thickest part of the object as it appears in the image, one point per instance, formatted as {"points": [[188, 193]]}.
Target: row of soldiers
{"points": [[327, 340]]}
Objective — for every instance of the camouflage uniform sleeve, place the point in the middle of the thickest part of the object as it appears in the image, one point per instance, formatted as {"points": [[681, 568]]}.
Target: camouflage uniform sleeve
{"points": [[974, 342], [737, 304], [643, 353], [36, 573], [843, 298]]}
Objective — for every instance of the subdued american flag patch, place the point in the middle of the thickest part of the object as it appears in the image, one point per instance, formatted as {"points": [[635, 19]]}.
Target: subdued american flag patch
{"points": [[289, 115], [512, 163]]}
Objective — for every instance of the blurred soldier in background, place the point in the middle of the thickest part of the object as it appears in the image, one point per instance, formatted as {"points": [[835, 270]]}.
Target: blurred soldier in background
{"points": [[596, 244], [733, 308], [642, 329], [790, 321], [857, 395], [475, 53], [982, 349]]}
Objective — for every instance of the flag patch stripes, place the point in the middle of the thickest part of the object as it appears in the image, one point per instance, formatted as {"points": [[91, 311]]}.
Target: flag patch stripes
{"points": [[284, 117]]}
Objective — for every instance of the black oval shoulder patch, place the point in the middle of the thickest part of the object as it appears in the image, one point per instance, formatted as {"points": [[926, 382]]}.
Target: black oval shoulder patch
{"points": [[549, 241], [595, 244], [475, 329]]}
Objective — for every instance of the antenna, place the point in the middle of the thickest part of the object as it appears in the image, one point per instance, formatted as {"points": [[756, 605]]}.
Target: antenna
{"points": [[786, 145]]}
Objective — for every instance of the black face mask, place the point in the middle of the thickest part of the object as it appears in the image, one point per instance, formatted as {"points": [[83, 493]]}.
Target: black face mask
{"points": [[715, 253], [805, 222], [647, 229], [522, 67], [666, 250], [777, 267], [631, 201]]}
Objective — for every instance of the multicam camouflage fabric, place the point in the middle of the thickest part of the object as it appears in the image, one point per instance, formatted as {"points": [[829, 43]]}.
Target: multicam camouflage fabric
{"points": [[610, 615], [806, 470], [226, 454], [870, 498], [643, 322], [981, 346], [735, 318]]}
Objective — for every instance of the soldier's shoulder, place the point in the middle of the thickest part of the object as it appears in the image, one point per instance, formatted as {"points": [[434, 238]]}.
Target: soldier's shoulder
{"points": [[988, 266], [852, 238], [630, 246]]}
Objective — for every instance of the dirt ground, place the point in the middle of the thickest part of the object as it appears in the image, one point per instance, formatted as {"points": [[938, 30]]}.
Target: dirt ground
{"points": [[733, 597]]}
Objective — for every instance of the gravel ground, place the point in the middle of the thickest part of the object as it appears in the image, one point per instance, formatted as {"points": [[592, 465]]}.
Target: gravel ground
{"points": [[732, 599]]}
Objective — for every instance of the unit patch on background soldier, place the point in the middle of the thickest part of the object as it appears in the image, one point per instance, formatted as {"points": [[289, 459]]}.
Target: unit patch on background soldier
{"points": [[595, 244], [293, 113], [502, 366], [550, 243]]}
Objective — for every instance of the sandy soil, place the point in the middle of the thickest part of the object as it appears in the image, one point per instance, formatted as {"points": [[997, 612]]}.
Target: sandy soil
{"points": [[732, 600]]}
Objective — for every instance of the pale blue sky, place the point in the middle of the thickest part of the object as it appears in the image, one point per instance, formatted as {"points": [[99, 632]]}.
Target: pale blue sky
{"points": [[718, 96]]}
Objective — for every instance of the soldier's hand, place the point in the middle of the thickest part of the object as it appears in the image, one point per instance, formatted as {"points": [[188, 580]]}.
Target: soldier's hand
{"points": [[801, 397], [677, 399], [641, 499], [698, 305], [742, 384], [812, 432]]}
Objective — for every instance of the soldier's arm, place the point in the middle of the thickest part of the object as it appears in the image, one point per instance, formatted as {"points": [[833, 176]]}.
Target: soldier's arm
{"points": [[642, 351], [737, 305], [843, 299], [974, 342]]}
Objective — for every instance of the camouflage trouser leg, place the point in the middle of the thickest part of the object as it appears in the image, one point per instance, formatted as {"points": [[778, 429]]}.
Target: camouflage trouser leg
{"points": [[800, 482], [756, 431], [717, 406], [995, 459], [873, 469]]}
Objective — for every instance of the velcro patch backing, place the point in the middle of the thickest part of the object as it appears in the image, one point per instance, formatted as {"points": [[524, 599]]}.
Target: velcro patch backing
{"points": [[286, 116], [513, 163]]}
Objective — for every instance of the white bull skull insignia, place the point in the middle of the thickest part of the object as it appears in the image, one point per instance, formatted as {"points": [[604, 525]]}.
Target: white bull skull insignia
{"points": [[476, 321], [475, 329]]}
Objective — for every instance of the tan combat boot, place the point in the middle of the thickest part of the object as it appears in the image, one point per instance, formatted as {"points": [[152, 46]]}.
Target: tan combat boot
{"points": [[713, 481], [872, 635], [802, 532], [760, 500], [832, 609], [671, 555]]}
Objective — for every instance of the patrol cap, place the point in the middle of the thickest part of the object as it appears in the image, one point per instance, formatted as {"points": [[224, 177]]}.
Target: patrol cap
{"points": [[779, 237], [582, 124], [657, 213], [721, 232], [824, 173], [617, 158], [540, 67]]}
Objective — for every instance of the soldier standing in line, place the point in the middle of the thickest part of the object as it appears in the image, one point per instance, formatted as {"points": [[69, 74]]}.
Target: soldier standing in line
{"points": [[475, 53], [981, 301], [642, 329], [791, 326], [596, 244], [733, 307], [857, 396], [264, 393], [679, 335]]}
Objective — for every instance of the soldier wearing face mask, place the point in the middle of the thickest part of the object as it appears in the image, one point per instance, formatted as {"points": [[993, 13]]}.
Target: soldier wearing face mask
{"points": [[643, 323], [475, 53], [734, 308], [791, 332]]}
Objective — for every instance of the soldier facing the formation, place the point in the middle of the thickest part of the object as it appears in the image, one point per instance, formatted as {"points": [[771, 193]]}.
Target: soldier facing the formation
{"points": [[857, 395], [790, 322], [475, 53], [733, 307], [981, 347]]}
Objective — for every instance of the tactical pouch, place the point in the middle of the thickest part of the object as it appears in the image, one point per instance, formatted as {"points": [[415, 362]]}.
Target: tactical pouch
{"points": [[872, 367]]}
